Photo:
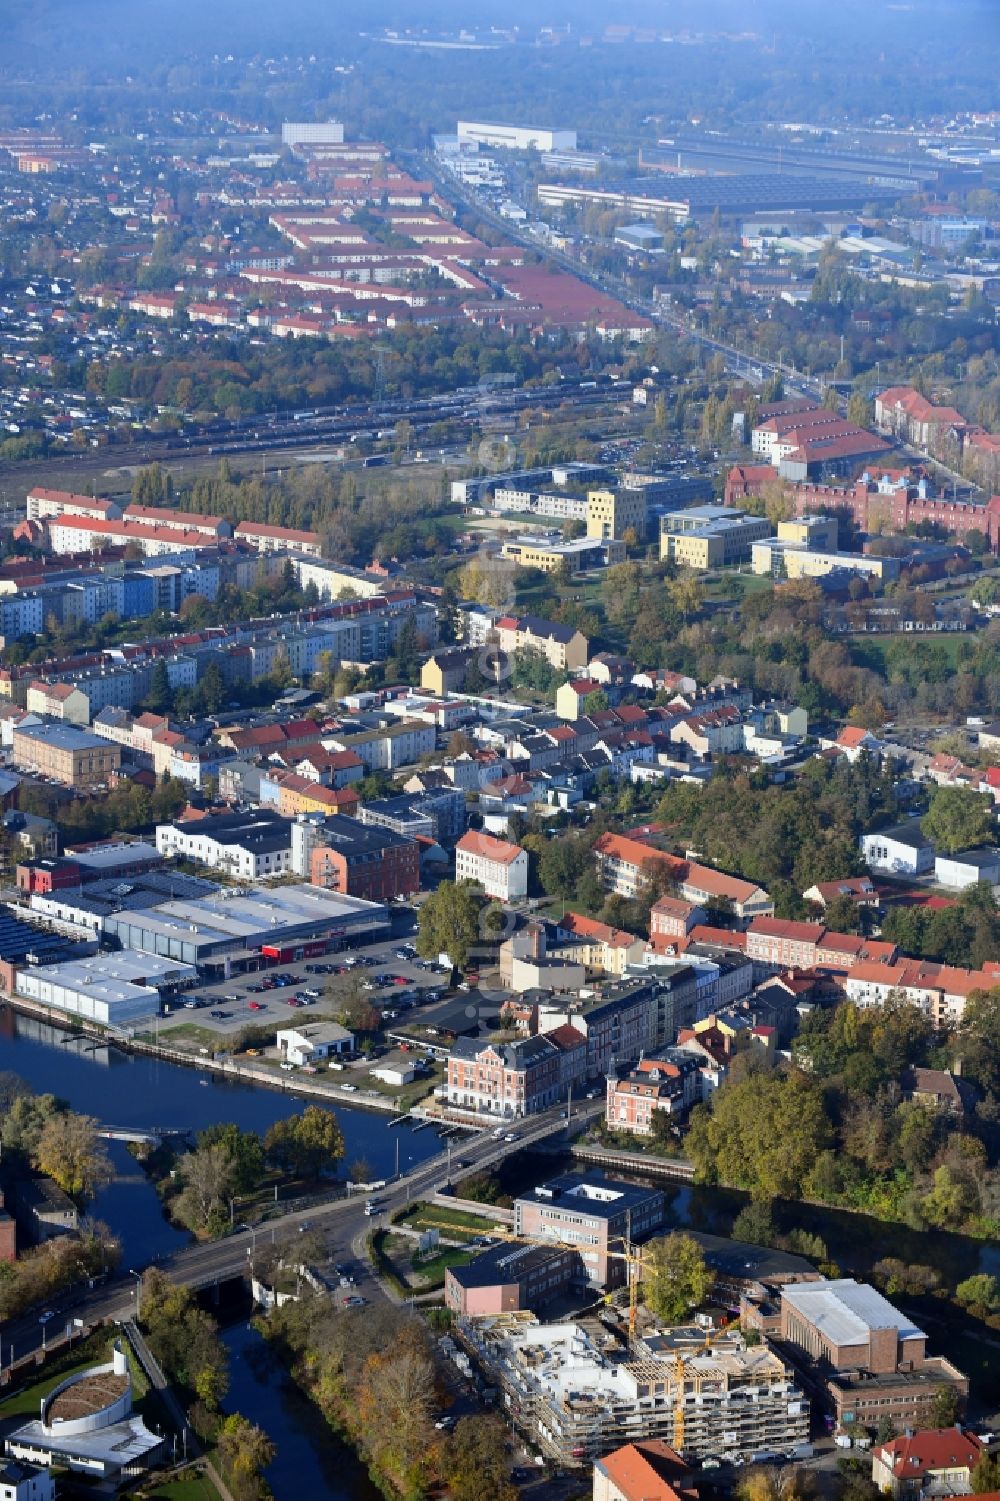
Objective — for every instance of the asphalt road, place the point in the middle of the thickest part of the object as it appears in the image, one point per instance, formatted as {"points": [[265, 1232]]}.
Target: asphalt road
{"points": [[343, 1224]]}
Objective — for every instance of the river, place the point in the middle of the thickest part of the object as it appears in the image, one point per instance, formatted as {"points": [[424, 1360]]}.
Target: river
{"points": [[124, 1089], [311, 1461]]}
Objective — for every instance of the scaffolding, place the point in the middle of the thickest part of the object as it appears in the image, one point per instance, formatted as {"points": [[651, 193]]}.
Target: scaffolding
{"points": [[575, 1401]]}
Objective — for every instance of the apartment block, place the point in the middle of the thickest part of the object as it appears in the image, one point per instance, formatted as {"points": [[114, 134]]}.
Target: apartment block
{"points": [[499, 867], [68, 755], [575, 1400], [504, 1079], [361, 860]]}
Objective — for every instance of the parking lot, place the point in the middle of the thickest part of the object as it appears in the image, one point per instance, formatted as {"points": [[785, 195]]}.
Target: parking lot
{"points": [[289, 992]]}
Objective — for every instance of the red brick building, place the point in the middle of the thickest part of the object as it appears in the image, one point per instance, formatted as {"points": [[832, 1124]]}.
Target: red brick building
{"points": [[365, 860], [40, 877]]}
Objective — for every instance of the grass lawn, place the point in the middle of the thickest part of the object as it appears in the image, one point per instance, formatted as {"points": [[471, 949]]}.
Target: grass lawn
{"points": [[410, 1094], [191, 1486], [96, 1350], [454, 1221], [427, 1274]]}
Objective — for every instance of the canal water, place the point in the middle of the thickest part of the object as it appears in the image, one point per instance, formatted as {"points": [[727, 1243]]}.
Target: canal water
{"points": [[311, 1461], [122, 1089]]}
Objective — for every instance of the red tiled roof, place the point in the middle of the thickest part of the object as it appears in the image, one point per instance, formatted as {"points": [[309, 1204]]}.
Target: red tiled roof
{"points": [[499, 851]]}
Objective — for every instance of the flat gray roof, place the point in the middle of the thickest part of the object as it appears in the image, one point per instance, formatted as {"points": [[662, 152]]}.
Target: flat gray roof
{"points": [[847, 1312]]}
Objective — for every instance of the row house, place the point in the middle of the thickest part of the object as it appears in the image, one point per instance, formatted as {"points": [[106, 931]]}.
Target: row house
{"points": [[668, 1082], [940, 990], [389, 747], [602, 949], [786, 944]]}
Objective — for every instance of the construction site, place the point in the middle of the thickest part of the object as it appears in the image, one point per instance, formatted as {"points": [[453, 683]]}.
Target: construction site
{"points": [[576, 1391]]}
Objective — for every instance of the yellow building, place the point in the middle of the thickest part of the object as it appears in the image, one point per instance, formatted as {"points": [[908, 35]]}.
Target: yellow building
{"points": [[66, 754], [612, 513], [578, 556], [819, 532], [710, 536]]}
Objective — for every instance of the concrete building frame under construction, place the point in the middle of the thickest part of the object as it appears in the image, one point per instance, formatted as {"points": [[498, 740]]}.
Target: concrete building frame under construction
{"points": [[575, 1397]]}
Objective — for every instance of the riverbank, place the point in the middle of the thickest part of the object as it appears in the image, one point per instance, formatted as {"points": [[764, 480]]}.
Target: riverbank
{"points": [[224, 1065]]}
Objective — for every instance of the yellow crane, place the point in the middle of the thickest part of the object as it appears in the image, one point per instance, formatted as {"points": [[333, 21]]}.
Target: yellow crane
{"points": [[711, 1335]]}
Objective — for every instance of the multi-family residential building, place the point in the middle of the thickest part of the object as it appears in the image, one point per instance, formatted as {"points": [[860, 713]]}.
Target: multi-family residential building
{"points": [[388, 747], [668, 1081], [250, 846], [576, 1400], [563, 646], [504, 1079], [265, 538], [41, 503], [66, 754], [58, 701], [648, 1470], [927, 1462], [870, 1360], [625, 865], [501, 868], [940, 990], [363, 860]]}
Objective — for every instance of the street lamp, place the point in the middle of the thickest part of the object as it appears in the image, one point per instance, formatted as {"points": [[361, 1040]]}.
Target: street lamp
{"points": [[138, 1292]]}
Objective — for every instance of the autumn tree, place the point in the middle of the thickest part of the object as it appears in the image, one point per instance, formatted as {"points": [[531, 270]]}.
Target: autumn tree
{"points": [[245, 1451], [475, 1461], [71, 1153], [763, 1134], [675, 1276], [184, 1338], [307, 1144]]}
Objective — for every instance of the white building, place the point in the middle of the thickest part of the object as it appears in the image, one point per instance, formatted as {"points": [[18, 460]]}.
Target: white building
{"points": [[21, 1482], [250, 846], [312, 133], [904, 850], [312, 1044], [967, 867], [110, 989], [499, 867], [516, 137]]}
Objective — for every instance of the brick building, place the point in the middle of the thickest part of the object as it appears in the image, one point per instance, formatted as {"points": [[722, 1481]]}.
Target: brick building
{"points": [[869, 1359], [504, 1079], [366, 861]]}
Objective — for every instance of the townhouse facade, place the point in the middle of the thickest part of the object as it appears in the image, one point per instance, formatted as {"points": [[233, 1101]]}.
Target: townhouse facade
{"points": [[501, 868]]}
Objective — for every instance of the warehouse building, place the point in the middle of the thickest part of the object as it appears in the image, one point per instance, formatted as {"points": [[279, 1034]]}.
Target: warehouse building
{"points": [[236, 929], [114, 990], [516, 137]]}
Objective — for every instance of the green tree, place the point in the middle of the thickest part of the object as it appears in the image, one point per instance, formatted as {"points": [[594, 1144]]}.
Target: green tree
{"points": [[957, 819], [979, 1291], [246, 1153], [449, 923], [764, 1134], [945, 1407], [985, 1477], [675, 1276]]}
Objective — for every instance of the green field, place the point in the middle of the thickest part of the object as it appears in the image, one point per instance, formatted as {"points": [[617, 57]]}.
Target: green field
{"points": [[452, 1221]]}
